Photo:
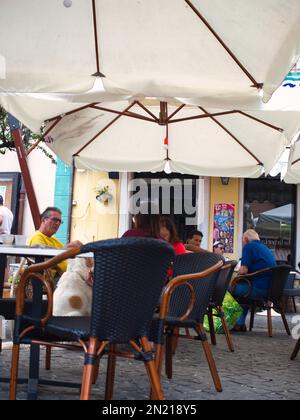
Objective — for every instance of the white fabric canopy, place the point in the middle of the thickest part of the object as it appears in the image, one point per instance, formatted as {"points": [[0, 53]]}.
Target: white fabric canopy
{"points": [[230, 143], [211, 49], [293, 173]]}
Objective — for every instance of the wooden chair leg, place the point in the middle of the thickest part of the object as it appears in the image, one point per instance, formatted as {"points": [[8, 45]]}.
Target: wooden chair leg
{"points": [[252, 317], [96, 370], [226, 330], [270, 327], [159, 355], [285, 323], [175, 338], [87, 379], [169, 355], [14, 372], [48, 358], [152, 372], [210, 359], [110, 373], [210, 317], [296, 350], [88, 370], [294, 303]]}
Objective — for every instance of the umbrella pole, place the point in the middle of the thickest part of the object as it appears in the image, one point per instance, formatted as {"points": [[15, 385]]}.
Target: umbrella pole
{"points": [[16, 133]]}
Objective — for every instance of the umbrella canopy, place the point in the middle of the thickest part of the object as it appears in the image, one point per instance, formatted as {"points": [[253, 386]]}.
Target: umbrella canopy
{"points": [[293, 173], [173, 48], [143, 136], [276, 223], [281, 214]]}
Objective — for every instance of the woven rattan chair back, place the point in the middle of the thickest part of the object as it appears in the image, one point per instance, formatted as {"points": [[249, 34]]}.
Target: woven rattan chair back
{"points": [[278, 281], [204, 287], [129, 276], [223, 279]]}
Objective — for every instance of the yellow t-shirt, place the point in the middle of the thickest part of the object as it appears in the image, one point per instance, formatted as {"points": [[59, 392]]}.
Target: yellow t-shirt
{"points": [[38, 238]]}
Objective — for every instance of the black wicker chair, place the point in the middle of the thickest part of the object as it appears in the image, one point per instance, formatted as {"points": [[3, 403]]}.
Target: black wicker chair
{"points": [[290, 291], [129, 275], [215, 306], [8, 310], [184, 305], [274, 296]]}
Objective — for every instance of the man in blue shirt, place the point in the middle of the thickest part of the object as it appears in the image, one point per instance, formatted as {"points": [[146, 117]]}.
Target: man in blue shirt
{"points": [[256, 256]]}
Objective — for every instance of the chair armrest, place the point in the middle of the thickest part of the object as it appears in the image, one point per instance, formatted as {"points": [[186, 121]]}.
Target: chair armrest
{"points": [[245, 278], [179, 281]]}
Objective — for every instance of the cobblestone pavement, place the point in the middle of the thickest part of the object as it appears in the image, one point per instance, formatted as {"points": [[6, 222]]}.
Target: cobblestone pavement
{"points": [[259, 369]]}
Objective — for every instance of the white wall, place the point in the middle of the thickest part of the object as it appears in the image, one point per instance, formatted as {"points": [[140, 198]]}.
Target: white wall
{"points": [[203, 210], [43, 178]]}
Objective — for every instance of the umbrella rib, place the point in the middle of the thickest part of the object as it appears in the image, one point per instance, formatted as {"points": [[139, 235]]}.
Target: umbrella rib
{"points": [[147, 110], [175, 112], [207, 115], [104, 129], [72, 112], [98, 72], [127, 114], [247, 73], [295, 161], [234, 138], [261, 121], [44, 135]]}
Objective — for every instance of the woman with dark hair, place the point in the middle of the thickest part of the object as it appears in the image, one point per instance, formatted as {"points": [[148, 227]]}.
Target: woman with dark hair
{"points": [[169, 233], [145, 226]]}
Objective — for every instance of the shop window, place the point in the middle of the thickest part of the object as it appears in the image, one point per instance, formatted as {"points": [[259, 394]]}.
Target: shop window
{"points": [[270, 208]]}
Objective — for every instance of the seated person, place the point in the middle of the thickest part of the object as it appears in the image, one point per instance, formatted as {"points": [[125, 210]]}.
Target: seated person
{"points": [[51, 219], [145, 226], [168, 232], [193, 243], [218, 248], [255, 256]]}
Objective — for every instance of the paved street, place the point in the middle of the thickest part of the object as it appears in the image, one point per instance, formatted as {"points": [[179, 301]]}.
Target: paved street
{"points": [[259, 369]]}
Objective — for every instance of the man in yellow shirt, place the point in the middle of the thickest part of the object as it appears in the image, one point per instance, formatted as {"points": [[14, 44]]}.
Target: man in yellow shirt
{"points": [[51, 219]]}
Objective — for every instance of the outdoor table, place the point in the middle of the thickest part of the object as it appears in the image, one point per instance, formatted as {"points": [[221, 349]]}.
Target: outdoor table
{"points": [[39, 254]]}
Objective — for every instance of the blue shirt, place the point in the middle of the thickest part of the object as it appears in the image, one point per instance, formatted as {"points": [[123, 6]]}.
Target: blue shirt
{"points": [[257, 256]]}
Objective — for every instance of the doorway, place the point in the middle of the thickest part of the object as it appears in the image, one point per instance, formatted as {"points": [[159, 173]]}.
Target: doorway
{"points": [[175, 195]]}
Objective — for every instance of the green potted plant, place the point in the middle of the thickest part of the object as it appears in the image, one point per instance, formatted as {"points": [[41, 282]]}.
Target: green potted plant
{"points": [[104, 195]]}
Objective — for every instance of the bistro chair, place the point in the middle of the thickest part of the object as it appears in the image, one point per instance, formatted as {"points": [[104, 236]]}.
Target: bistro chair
{"points": [[274, 295], [184, 304], [290, 291], [129, 275], [296, 350], [215, 305], [8, 310]]}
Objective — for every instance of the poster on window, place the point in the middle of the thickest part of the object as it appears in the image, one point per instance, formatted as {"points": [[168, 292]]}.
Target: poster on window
{"points": [[224, 226]]}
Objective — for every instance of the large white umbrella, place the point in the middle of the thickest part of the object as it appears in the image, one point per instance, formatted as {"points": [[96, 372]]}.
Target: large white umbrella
{"points": [[147, 135], [214, 49], [293, 173]]}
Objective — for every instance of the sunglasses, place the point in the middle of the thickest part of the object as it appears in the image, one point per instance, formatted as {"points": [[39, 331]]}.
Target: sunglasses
{"points": [[55, 220]]}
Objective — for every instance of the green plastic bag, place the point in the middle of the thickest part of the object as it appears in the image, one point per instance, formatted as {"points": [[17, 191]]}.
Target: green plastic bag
{"points": [[232, 311]]}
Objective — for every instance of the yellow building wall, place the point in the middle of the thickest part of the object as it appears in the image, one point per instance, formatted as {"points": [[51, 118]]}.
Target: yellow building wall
{"points": [[92, 220], [224, 194]]}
